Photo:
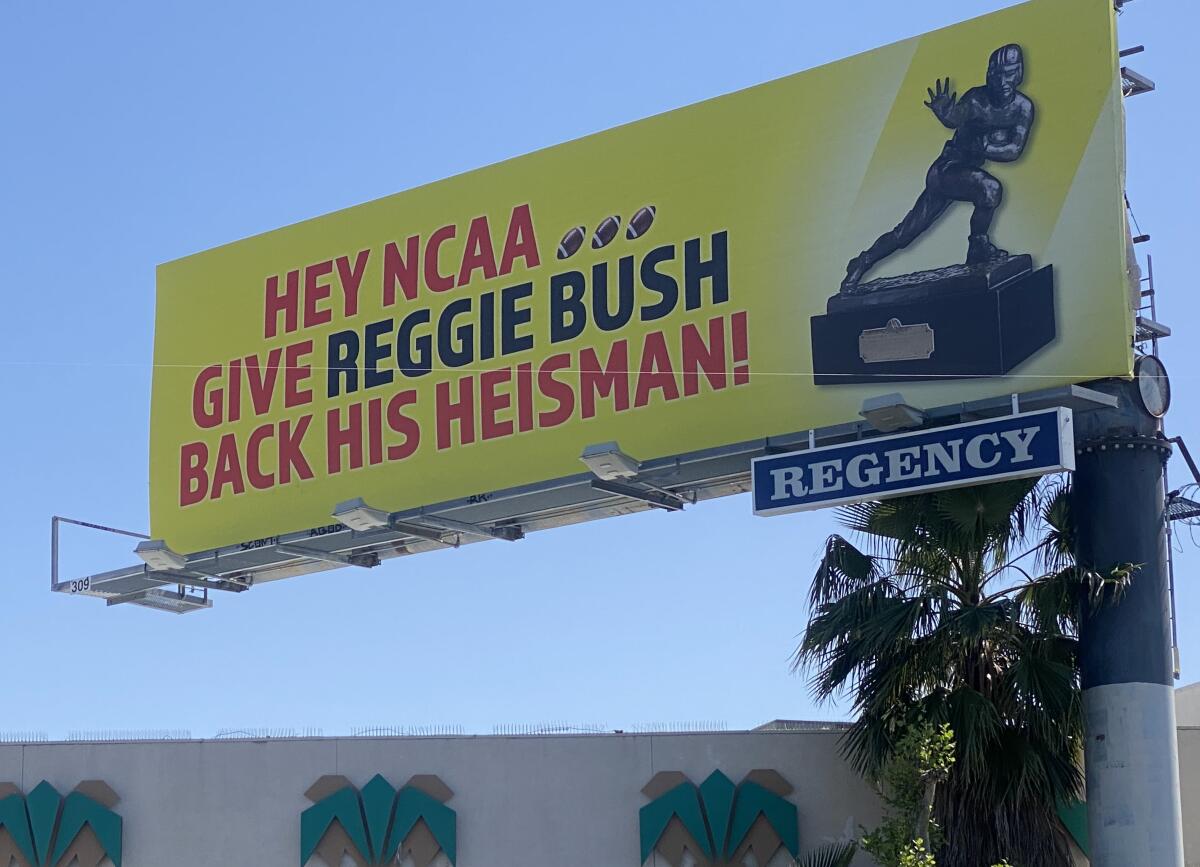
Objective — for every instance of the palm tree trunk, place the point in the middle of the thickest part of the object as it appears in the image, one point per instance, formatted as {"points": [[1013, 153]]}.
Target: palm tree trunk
{"points": [[979, 831]]}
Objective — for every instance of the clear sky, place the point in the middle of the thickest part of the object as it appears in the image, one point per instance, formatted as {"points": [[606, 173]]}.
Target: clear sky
{"points": [[137, 132]]}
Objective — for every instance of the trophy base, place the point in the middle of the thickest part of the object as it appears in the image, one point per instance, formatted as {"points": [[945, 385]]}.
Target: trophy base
{"points": [[956, 322]]}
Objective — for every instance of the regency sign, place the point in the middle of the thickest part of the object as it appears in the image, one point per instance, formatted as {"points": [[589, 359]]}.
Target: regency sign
{"points": [[1012, 447]]}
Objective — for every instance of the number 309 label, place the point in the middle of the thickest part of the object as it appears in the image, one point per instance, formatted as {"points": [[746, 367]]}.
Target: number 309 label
{"points": [[81, 586]]}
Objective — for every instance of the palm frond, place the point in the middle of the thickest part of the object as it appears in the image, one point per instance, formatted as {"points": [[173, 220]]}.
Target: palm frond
{"points": [[842, 568], [1058, 544], [832, 855]]}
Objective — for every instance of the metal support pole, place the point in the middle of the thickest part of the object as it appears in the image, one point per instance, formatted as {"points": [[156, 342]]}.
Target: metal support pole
{"points": [[1126, 664]]}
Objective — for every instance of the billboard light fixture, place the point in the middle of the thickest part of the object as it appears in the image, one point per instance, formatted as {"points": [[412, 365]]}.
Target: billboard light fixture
{"points": [[609, 463], [159, 557], [357, 515], [889, 412]]}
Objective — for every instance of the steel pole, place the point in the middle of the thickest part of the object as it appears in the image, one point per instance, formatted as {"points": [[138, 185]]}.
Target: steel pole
{"points": [[1126, 664]]}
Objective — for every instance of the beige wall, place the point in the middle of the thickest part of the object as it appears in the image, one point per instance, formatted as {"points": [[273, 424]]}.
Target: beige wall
{"points": [[545, 801], [1189, 791], [1187, 705]]}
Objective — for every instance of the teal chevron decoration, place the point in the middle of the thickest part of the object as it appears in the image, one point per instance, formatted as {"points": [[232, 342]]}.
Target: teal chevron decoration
{"points": [[378, 824], [682, 803], [1073, 815], [43, 829], [717, 822], [754, 803], [413, 806], [342, 807]]}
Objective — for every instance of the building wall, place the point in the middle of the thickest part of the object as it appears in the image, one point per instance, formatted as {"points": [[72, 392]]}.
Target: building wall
{"points": [[1187, 705], [1189, 791], [543, 801]]}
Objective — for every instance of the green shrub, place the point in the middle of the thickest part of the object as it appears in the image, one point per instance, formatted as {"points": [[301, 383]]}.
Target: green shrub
{"points": [[923, 759]]}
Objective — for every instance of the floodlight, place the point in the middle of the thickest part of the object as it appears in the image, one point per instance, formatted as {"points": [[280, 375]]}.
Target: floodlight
{"points": [[357, 515], [608, 462], [889, 412], [158, 556]]}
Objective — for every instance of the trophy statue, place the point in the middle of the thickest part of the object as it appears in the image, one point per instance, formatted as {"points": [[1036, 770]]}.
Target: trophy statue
{"points": [[981, 318]]}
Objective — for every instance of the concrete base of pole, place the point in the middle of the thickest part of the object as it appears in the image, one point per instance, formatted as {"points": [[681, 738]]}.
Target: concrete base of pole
{"points": [[1133, 776]]}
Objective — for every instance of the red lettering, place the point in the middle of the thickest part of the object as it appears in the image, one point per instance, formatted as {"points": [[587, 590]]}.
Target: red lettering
{"points": [[258, 479], [262, 384], [315, 292], [290, 455], [559, 392], [612, 379], [479, 255], [285, 303], [228, 470], [491, 403], [375, 431], [401, 270], [461, 410], [193, 477], [207, 405], [296, 373], [699, 356], [520, 242], [434, 279], [351, 279], [403, 425], [348, 437], [235, 390], [741, 348], [524, 397], [656, 371]]}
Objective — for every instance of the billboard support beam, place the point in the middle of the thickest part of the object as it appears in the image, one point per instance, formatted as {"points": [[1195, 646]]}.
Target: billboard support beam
{"points": [[507, 533], [364, 560], [167, 579], [425, 533], [134, 596], [1125, 656], [658, 499]]}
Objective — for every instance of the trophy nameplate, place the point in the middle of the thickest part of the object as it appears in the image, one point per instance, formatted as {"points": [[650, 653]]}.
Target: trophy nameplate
{"points": [[896, 342]]}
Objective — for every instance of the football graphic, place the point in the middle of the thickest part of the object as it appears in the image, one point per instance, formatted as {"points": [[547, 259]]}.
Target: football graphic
{"points": [[639, 223], [571, 242], [605, 232]]}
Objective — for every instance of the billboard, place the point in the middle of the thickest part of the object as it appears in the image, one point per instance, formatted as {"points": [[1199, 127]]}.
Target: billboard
{"points": [[942, 216]]}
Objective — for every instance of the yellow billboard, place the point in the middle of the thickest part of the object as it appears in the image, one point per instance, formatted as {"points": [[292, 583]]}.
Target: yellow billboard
{"points": [[940, 217]]}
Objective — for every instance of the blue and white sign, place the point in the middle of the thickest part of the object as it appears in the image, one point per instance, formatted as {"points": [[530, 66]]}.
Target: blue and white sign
{"points": [[1012, 447]]}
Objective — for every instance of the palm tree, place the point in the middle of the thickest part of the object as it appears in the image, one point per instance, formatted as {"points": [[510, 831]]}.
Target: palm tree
{"points": [[961, 609]]}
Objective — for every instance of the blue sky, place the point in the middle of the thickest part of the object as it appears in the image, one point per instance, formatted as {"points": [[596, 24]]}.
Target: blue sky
{"points": [[135, 133]]}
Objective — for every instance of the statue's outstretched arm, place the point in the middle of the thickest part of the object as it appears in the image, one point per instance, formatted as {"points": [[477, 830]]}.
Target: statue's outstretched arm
{"points": [[945, 105]]}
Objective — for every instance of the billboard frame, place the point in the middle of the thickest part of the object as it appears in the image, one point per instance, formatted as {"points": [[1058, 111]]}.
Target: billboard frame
{"points": [[507, 514]]}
